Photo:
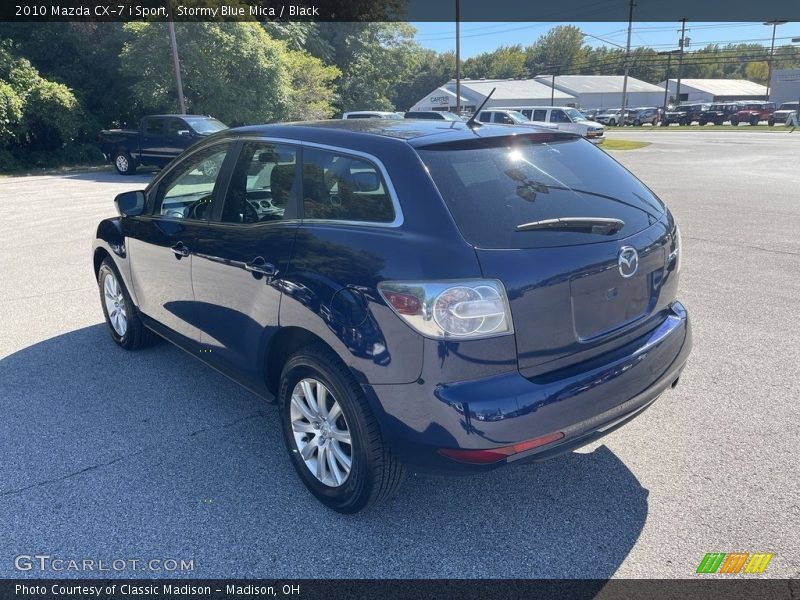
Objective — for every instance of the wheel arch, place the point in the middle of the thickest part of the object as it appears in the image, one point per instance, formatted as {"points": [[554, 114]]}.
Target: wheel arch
{"points": [[283, 344]]}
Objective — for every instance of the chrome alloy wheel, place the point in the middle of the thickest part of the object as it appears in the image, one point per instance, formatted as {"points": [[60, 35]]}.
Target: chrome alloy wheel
{"points": [[115, 304], [320, 432], [122, 163]]}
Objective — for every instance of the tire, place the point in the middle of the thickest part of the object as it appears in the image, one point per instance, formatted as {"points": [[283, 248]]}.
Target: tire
{"points": [[132, 335], [637, 123], [754, 120], [374, 474], [734, 121], [124, 163], [665, 123]]}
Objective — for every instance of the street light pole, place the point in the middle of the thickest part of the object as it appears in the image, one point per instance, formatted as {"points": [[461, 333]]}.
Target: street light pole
{"points": [[771, 53]]}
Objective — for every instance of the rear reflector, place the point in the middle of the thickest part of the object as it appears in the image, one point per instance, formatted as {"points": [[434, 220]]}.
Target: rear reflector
{"points": [[493, 455]]}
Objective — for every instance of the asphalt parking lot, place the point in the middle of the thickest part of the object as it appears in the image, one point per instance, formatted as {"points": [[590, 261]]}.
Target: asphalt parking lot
{"points": [[107, 454]]}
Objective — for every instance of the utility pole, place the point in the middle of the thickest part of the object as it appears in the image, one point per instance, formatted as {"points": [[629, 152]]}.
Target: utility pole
{"points": [[771, 54], [458, 57], [681, 44], [666, 79], [631, 4], [173, 43], [553, 90]]}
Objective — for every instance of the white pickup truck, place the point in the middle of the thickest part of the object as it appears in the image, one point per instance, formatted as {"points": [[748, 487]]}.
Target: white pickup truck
{"points": [[565, 117]]}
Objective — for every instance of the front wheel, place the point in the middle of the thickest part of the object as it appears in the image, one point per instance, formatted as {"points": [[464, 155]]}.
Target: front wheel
{"points": [[122, 317], [124, 164], [734, 121], [333, 439]]}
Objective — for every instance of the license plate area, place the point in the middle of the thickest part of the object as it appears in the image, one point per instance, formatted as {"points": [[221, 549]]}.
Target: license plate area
{"points": [[603, 301]]}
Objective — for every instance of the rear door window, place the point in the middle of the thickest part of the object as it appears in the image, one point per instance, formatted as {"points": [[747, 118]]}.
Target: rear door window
{"points": [[341, 187], [539, 115], [493, 185]]}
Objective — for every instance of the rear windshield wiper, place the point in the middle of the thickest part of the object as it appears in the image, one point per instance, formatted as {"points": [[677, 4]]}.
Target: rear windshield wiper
{"points": [[598, 225]]}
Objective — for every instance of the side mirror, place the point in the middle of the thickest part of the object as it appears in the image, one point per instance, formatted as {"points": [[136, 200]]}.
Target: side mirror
{"points": [[130, 204], [184, 133]]}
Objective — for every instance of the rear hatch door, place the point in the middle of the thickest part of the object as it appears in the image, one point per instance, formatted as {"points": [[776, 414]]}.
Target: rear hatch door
{"points": [[575, 289]]}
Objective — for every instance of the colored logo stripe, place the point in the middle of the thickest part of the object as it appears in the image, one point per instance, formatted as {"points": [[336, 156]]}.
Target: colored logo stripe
{"points": [[734, 562], [757, 563], [711, 562]]}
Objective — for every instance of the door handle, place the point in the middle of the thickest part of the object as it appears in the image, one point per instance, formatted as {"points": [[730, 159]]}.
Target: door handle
{"points": [[180, 249], [261, 266]]}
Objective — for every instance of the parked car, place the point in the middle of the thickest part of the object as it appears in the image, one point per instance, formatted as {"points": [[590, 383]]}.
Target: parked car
{"points": [[719, 113], [753, 113], [436, 115], [640, 116], [609, 116], [372, 114], [505, 116], [450, 298], [685, 114], [590, 113], [159, 139], [784, 112], [566, 118]]}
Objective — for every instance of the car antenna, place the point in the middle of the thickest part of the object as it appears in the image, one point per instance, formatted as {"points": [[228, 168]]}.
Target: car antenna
{"points": [[472, 122]]}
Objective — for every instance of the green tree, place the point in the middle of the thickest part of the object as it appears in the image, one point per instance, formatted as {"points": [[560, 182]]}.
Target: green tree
{"points": [[36, 113], [559, 51], [432, 70], [233, 71], [504, 63], [312, 88]]}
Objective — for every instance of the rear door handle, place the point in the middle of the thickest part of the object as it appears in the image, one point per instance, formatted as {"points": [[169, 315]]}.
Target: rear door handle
{"points": [[259, 265], [180, 249]]}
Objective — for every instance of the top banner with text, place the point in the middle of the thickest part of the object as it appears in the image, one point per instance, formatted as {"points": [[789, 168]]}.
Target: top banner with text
{"points": [[396, 10]]}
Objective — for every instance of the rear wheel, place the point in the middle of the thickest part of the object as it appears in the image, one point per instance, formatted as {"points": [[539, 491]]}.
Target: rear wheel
{"points": [[333, 439], [734, 121], [754, 120], [122, 317], [124, 164]]}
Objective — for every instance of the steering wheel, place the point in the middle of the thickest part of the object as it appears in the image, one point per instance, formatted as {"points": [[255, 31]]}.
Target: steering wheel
{"points": [[250, 214], [198, 208]]}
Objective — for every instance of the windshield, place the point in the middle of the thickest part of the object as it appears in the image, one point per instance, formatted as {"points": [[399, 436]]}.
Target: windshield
{"points": [[493, 185], [517, 116], [789, 106], [575, 115], [206, 125]]}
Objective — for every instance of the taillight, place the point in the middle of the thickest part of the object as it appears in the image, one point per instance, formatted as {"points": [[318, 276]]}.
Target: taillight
{"points": [[445, 309]]}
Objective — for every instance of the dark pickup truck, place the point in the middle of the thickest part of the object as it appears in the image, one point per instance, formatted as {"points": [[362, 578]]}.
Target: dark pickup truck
{"points": [[159, 139]]}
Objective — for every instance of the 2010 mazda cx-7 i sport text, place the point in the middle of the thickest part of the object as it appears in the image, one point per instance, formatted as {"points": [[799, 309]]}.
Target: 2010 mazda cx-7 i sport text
{"points": [[440, 296]]}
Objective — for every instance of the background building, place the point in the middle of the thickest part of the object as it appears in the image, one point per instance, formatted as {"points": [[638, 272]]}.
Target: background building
{"points": [[785, 86], [605, 91], [509, 92], [716, 90]]}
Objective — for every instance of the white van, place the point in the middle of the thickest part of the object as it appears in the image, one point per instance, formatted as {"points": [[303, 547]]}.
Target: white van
{"points": [[567, 119], [507, 116]]}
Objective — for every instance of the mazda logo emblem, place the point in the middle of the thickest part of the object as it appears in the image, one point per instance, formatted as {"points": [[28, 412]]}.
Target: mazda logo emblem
{"points": [[628, 261]]}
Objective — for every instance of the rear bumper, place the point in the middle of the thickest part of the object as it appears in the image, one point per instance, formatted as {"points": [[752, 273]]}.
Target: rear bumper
{"points": [[583, 402]]}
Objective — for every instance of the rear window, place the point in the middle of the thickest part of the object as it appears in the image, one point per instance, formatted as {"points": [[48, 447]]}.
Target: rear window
{"points": [[493, 185]]}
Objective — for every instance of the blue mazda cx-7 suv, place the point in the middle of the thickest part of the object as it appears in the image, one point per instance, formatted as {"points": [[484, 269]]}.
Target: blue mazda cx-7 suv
{"points": [[416, 294]]}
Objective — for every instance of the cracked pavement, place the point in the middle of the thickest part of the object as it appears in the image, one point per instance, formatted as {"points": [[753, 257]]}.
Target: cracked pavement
{"points": [[107, 454]]}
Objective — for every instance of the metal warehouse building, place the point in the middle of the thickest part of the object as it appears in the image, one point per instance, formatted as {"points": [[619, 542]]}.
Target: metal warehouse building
{"points": [[785, 86], [512, 92], [605, 91], [716, 90]]}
